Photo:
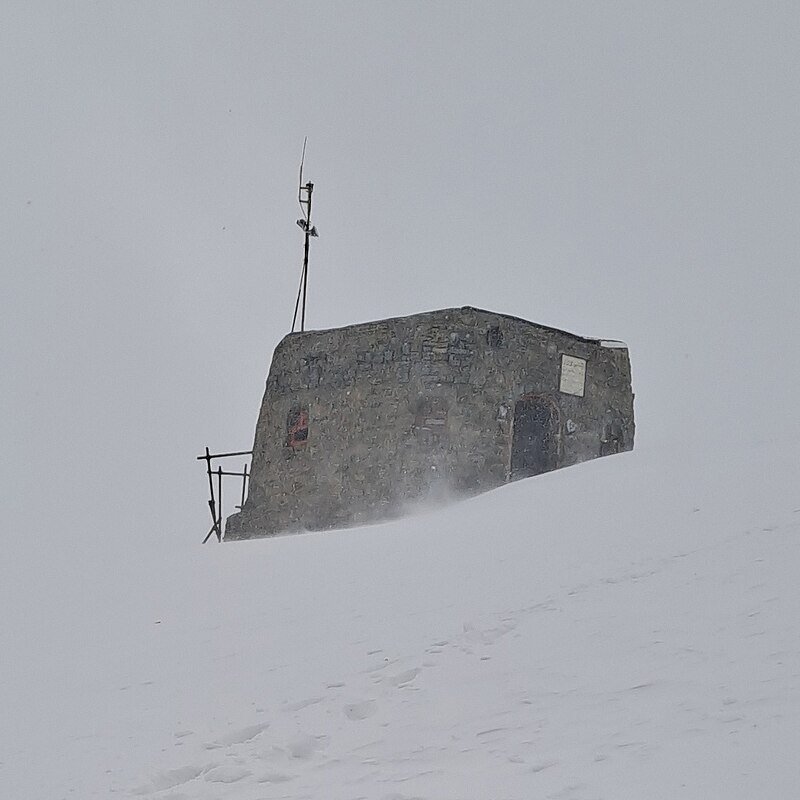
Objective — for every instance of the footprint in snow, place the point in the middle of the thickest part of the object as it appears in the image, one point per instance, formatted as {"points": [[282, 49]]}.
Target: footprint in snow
{"points": [[305, 746], [541, 766], [301, 704], [227, 773], [169, 779], [568, 792], [239, 736], [404, 678], [358, 711], [475, 635], [274, 777]]}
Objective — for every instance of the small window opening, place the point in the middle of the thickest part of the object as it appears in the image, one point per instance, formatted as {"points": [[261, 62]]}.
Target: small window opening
{"points": [[297, 428]]}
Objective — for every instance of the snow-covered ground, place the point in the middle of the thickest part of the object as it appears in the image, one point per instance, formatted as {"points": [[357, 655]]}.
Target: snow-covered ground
{"points": [[628, 628]]}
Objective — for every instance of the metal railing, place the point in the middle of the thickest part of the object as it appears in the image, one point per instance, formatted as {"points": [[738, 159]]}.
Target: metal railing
{"points": [[215, 501]]}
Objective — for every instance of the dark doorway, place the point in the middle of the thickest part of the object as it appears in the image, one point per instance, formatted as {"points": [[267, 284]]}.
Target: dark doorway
{"points": [[535, 446]]}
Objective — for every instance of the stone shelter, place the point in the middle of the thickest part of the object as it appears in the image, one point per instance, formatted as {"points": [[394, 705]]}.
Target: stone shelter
{"points": [[359, 422]]}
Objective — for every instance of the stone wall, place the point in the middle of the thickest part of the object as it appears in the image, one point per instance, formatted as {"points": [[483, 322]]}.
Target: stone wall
{"points": [[358, 422]]}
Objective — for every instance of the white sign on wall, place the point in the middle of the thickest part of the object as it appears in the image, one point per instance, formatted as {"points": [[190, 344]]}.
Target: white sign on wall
{"points": [[573, 375]]}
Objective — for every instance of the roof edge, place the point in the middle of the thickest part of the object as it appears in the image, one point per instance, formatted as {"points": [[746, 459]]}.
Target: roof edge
{"points": [[599, 342]]}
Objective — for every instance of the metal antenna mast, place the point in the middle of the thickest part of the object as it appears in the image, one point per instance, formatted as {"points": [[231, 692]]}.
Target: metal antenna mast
{"points": [[304, 198]]}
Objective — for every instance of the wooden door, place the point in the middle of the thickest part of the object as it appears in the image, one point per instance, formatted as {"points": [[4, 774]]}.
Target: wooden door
{"points": [[534, 448]]}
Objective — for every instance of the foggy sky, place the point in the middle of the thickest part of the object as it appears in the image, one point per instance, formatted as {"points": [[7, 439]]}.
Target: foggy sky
{"points": [[619, 170]]}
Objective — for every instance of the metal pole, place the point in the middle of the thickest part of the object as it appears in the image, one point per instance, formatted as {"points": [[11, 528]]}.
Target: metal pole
{"points": [[244, 484], [224, 455], [211, 502], [297, 302], [213, 529], [309, 190], [219, 512]]}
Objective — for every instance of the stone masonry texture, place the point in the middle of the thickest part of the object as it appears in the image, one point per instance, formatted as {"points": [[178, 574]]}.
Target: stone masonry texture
{"points": [[359, 423]]}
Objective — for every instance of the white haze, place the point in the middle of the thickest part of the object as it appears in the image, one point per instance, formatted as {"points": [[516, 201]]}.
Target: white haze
{"points": [[620, 170]]}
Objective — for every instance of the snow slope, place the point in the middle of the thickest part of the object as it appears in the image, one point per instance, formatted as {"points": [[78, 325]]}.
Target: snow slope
{"points": [[624, 629]]}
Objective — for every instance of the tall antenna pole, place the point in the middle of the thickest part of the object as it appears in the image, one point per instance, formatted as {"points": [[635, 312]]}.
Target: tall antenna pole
{"points": [[309, 188], [304, 198]]}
